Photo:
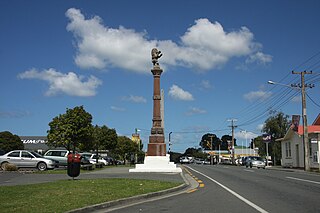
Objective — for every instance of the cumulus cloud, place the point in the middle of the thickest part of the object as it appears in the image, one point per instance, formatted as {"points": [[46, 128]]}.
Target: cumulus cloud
{"points": [[177, 93], [60, 83], [135, 99], [254, 95], [205, 45], [195, 110]]}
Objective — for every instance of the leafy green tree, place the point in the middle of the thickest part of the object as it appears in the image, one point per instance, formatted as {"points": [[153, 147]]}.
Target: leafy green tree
{"points": [[9, 141], [277, 126], [209, 138], [104, 138], [126, 148], [224, 143], [71, 130]]}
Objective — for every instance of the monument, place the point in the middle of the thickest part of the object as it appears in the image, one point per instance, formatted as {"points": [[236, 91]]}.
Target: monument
{"points": [[156, 159]]}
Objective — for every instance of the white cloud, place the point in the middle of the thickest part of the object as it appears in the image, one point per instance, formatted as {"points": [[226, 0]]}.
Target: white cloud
{"points": [[195, 110], [254, 95], [69, 84], [260, 127], [259, 58], [14, 114], [204, 46], [242, 135], [118, 109], [135, 99], [179, 94], [205, 84], [296, 99]]}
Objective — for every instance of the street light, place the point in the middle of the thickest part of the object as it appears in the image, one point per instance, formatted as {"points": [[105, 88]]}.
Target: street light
{"points": [[304, 118], [170, 144]]}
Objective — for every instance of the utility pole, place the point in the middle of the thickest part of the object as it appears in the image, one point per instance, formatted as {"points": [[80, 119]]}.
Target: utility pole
{"points": [[232, 141], [211, 158], [304, 118]]}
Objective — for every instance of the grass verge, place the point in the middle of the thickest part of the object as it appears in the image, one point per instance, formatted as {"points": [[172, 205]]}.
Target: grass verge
{"points": [[61, 196]]}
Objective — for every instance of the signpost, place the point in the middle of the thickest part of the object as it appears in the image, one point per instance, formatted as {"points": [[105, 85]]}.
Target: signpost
{"points": [[267, 139]]}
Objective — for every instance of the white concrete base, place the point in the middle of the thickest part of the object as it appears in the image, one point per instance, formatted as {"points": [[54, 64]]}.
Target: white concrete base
{"points": [[157, 164]]}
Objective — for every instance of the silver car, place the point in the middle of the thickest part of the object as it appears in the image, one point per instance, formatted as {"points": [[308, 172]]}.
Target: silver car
{"points": [[255, 161], [27, 159]]}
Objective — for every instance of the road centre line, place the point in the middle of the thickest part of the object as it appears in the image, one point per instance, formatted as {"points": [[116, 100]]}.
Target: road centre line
{"points": [[309, 181], [233, 192]]}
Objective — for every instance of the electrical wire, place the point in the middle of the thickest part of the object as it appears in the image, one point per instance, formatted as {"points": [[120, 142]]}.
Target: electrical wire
{"points": [[318, 105]]}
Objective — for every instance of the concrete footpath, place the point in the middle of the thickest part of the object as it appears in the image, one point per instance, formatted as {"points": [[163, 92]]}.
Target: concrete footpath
{"points": [[187, 183]]}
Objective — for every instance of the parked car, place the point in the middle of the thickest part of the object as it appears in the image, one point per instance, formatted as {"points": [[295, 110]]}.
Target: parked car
{"points": [[255, 161], [199, 161], [57, 155], [184, 159], [93, 158], [61, 157], [27, 159], [110, 160]]}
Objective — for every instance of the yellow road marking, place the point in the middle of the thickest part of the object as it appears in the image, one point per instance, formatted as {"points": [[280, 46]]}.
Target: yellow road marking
{"points": [[192, 190], [201, 185]]}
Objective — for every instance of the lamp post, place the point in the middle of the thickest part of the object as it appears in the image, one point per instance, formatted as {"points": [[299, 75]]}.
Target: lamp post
{"points": [[245, 135], [170, 144], [304, 116]]}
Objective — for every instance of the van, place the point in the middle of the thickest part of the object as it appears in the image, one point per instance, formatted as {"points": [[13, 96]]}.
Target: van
{"points": [[60, 156]]}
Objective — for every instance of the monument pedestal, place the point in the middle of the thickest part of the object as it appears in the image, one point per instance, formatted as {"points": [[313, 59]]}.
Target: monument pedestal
{"points": [[157, 164]]}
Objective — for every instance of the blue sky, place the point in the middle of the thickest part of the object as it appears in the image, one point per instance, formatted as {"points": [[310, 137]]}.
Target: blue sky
{"points": [[217, 59]]}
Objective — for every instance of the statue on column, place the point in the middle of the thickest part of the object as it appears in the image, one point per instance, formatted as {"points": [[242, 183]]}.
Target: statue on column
{"points": [[155, 54]]}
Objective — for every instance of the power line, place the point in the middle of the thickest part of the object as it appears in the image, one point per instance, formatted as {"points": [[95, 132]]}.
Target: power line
{"points": [[313, 100]]}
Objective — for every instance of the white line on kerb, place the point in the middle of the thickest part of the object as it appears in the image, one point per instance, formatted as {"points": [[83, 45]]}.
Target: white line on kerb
{"points": [[232, 192], [309, 181]]}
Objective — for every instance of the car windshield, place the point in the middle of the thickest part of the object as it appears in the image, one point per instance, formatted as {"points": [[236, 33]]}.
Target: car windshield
{"points": [[37, 155], [256, 158], [86, 155]]}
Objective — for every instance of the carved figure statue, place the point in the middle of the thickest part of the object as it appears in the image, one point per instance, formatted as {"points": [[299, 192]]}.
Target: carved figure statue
{"points": [[155, 54]]}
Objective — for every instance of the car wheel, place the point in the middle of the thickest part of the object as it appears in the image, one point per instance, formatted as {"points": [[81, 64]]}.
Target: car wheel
{"points": [[4, 165], [42, 166]]}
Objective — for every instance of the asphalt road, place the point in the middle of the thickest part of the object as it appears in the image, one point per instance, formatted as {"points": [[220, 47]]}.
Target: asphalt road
{"points": [[237, 189]]}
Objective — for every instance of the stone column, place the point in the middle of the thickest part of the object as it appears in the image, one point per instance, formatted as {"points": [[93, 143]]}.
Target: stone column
{"points": [[156, 146]]}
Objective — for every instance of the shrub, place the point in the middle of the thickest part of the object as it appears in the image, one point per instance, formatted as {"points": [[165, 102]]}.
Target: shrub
{"points": [[11, 167]]}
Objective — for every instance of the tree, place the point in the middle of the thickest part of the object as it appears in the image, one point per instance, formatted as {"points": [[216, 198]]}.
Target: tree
{"points": [[104, 138], [277, 126], [71, 130], [226, 139], [9, 141], [126, 148], [209, 138]]}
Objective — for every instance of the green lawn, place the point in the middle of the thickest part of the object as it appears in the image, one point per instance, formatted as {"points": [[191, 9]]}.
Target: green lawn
{"points": [[61, 196]]}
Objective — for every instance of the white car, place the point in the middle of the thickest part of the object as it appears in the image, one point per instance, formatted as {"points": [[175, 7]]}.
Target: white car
{"points": [[184, 159], [27, 159], [93, 158]]}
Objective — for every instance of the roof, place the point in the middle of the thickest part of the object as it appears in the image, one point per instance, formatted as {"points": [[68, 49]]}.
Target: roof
{"points": [[311, 129], [316, 122]]}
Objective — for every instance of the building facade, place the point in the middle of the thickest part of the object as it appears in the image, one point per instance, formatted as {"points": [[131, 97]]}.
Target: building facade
{"points": [[292, 147]]}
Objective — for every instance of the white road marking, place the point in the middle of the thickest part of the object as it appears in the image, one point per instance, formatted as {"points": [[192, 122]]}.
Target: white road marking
{"points": [[233, 192], [247, 170], [309, 181]]}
